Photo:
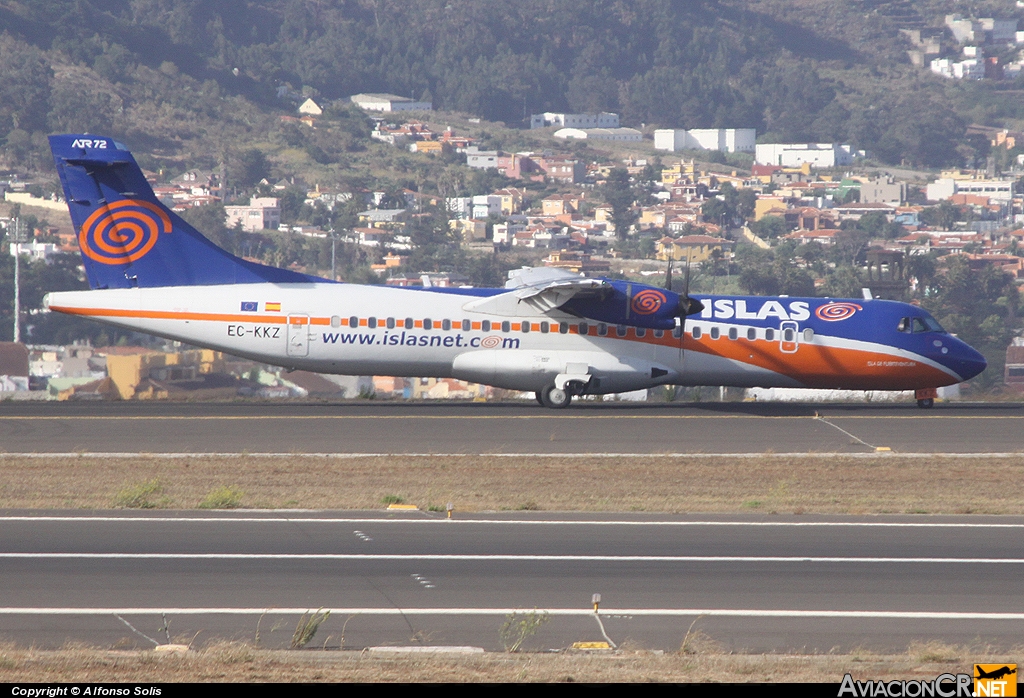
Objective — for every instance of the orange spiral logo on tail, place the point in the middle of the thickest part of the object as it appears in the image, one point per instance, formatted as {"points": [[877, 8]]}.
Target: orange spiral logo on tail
{"points": [[122, 232], [648, 301]]}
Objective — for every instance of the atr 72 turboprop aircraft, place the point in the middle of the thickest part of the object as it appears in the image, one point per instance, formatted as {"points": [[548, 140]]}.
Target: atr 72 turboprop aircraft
{"points": [[548, 331]]}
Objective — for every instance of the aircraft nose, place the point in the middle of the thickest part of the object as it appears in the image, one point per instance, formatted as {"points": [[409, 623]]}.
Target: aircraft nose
{"points": [[968, 361]]}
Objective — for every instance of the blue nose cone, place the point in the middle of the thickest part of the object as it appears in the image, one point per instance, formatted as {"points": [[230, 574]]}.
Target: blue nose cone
{"points": [[965, 360]]}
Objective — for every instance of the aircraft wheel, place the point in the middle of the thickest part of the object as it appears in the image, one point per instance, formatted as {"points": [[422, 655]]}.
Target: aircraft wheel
{"points": [[555, 398], [926, 403]]}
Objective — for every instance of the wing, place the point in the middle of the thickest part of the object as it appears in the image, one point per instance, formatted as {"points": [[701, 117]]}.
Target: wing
{"points": [[540, 288]]}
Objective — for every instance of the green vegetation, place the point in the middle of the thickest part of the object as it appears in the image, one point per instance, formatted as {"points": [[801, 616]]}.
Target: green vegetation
{"points": [[306, 629], [222, 498], [201, 80], [141, 496], [518, 627]]}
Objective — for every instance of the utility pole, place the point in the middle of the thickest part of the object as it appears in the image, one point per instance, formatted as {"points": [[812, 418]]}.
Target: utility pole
{"points": [[334, 277], [15, 241]]}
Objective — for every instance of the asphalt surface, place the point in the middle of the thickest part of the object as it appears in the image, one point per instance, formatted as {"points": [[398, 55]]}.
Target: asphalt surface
{"points": [[763, 584], [369, 427]]}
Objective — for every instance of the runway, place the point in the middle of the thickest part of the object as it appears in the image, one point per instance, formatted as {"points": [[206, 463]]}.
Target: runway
{"points": [[368, 427], [754, 583]]}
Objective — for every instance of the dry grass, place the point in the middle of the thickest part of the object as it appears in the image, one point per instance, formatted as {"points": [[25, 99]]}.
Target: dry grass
{"points": [[816, 484], [238, 662]]}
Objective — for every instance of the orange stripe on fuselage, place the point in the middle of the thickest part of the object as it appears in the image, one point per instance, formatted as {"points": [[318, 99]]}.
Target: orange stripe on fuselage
{"points": [[818, 366], [814, 365], [174, 315]]}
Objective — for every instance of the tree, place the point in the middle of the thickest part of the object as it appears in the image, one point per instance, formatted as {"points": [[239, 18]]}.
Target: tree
{"points": [[770, 227], [249, 167], [944, 216], [618, 192]]}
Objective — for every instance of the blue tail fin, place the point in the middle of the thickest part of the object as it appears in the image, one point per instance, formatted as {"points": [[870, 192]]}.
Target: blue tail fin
{"points": [[128, 238]]}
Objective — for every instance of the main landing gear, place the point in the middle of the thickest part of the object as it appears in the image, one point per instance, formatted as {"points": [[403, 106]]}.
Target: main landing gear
{"points": [[926, 403], [555, 398]]}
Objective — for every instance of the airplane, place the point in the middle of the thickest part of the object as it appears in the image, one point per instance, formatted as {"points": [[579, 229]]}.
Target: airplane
{"points": [[995, 673], [548, 331]]}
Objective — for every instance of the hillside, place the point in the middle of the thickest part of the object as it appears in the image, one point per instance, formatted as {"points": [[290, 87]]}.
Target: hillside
{"points": [[195, 80]]}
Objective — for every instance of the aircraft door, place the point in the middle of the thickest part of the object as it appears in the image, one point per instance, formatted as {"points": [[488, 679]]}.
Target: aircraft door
{"points": [[789, 337], [298, 335]]}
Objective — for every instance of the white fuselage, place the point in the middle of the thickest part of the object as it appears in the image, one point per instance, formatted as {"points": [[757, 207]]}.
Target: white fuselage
{"points": [[374, 330]]}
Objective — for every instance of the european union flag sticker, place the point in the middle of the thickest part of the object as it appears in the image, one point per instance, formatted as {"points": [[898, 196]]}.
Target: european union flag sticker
{"points": [[250, 306]]}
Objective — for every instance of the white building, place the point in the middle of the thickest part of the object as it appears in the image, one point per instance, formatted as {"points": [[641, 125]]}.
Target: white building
{"points": [[727, 140], [603, 120], [796, 154], [35, 250], [262, 213], [484, 159], [969, 68], [387, 102], [310, 108], [486, 204], [460, 206], [995, 189], [600, 134]]}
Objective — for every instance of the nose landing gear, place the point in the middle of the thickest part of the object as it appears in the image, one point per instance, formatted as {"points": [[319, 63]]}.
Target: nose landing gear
{"points": [[926, 397]]}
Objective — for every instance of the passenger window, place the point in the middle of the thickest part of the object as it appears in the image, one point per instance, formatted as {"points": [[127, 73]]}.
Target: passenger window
{"points": [[769, 334], [353, 321], [808, 335], [506, 326], [545, 327], [678, 332], [788, 335], [620, 330], [485, 325], [584, 328], [715, 332], [446, 324], [696, 332], [658, 334], [335, 321], [409, 324], [466, 326], [640, 332], [428, 324], [372, 323], [525, 327], [390, 323], [563, 328], [733, 333], [751, 333], [904, 325], [602, 329]]}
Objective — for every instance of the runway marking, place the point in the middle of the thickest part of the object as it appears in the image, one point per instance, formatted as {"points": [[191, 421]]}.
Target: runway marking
{"points": [[617, 417], [505, 558], [505, 522], [573, 454], [722, 612]]}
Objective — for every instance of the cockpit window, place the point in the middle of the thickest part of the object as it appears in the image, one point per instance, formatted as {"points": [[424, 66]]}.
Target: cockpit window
{"points": [[916, 325]]}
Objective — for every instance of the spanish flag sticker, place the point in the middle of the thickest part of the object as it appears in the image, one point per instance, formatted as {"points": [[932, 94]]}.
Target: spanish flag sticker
{"points": [[272, 307]]}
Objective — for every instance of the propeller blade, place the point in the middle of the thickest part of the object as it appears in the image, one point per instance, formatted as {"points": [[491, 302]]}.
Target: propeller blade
{"points": [[668, 274]]}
